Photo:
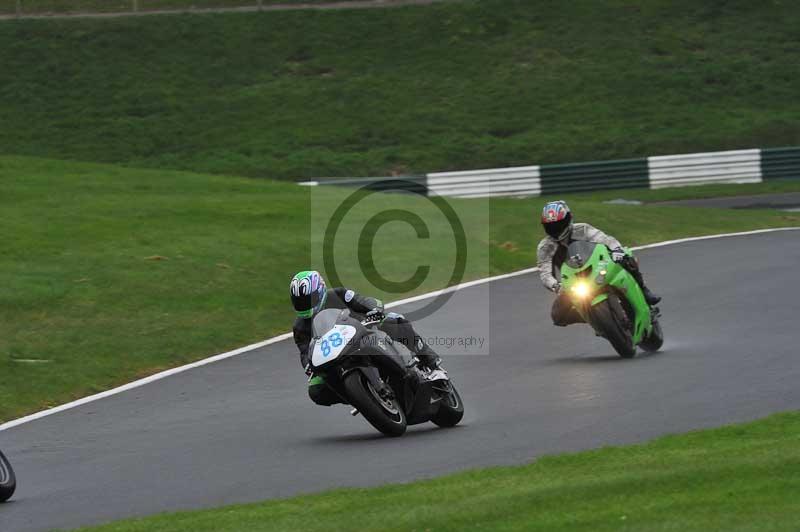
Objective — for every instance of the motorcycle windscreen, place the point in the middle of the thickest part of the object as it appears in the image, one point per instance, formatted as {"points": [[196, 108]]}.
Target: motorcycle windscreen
{"points": [[324, 321], [579, 253]]}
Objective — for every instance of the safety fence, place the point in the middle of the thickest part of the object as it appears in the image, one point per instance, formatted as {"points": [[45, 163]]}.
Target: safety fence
{"points": [[737, 166], [740, 166], [415, 184], [780, 162], [524, 180]]}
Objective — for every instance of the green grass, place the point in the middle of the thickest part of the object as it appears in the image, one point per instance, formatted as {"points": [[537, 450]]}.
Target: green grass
{"points": [[368, 92], [84, 293], [738, 478]]}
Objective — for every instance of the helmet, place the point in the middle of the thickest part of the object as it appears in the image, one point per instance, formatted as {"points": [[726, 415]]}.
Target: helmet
{"points": [[308, 293], [557, 220]]}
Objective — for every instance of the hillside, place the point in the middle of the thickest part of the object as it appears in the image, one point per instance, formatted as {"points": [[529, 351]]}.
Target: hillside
{"points": [[448, 86]]}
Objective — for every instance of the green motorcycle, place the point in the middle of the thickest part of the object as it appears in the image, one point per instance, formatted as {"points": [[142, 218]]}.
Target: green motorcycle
{"points": [[609, 299]]}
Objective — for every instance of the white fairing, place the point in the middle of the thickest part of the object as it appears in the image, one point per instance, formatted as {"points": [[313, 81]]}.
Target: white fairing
{"points": [[332, 344]]}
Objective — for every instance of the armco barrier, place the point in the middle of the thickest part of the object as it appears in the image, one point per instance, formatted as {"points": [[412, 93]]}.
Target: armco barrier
{"points": [[417, 184], [740, 166], [601, 175], [522, 180], [737, 166], [780, 162]]}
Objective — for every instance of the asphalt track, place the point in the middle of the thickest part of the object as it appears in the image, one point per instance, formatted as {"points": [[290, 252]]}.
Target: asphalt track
{"points": [[786, 201], [243, 429]]}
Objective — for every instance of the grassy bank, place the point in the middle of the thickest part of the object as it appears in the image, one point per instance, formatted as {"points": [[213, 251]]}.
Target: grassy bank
{"points": [[368, 92], [742, 477], [111, 273]]}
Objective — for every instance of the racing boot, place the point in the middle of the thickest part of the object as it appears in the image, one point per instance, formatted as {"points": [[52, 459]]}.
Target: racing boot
{"points": [[633, 268], [649, 296], [428, 359]]}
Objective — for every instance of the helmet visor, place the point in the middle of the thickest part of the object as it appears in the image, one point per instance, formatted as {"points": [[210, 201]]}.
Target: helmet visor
{"points": [[305, 303], [559, 229]]}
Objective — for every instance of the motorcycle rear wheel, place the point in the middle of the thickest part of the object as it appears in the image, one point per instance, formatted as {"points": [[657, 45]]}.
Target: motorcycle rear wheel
{"points": [[8, 481], [383, 414], [605, 320], [654, 340]]}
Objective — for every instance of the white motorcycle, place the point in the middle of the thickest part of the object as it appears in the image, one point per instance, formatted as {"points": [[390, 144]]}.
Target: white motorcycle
{"points": [[379, 377], [8, 482]]}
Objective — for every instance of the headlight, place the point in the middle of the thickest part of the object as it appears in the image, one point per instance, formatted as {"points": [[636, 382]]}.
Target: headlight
{"points": [[581, 289]]}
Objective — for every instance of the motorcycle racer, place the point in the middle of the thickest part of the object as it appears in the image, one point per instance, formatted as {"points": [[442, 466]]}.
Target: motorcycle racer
{"points": [[552, 252], [310, 295]]}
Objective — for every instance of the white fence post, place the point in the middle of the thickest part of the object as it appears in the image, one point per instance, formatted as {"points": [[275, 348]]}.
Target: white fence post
{"points": [[136, 5], [736, 166]]}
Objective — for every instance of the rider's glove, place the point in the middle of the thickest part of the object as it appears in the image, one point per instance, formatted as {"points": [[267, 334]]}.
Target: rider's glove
{"points": [[618, 255], [375, 314], [557, 288]]}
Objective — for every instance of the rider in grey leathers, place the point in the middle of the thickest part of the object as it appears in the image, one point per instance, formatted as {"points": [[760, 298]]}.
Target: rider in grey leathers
{"points": [[552, 252]]}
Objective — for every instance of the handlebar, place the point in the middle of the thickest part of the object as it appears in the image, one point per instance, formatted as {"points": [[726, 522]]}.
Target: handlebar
{"points": [[373, 317]]}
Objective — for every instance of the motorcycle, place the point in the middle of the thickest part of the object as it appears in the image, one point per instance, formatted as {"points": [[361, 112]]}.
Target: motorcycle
{"points": [[8, 482], [608, 298], [379, 377]]}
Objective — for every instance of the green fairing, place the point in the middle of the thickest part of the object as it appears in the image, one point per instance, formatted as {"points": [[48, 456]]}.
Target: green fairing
{"points": [[616, 277], [316, 380]]}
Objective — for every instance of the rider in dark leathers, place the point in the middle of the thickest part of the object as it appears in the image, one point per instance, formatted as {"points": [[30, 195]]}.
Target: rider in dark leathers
{"points": [[310, 296]]}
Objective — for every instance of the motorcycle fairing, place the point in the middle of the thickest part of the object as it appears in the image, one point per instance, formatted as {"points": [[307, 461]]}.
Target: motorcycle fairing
{"points": [[332, 344]]}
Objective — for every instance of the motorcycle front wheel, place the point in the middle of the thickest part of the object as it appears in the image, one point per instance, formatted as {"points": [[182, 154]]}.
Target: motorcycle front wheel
{"points": [[608, 324], [382, 413], [8, 482], [451, 409]]}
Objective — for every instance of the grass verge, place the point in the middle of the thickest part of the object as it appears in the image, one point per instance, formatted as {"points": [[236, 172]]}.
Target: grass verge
{"points": [[461, 85], [742, 477], [109, 273]]}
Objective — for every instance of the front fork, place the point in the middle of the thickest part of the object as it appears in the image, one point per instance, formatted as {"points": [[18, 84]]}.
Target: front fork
{"points": [[374, 378]]}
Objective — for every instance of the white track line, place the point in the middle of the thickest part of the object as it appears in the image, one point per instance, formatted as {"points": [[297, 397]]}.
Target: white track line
{"points": [[286, 336]]}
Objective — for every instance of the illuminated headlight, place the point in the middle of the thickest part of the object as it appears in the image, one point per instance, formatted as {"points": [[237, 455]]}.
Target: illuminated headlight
{"points": [[581, 290]]}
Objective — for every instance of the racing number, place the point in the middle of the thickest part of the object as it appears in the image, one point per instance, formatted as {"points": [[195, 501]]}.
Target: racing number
{"points": [[335, 341]]}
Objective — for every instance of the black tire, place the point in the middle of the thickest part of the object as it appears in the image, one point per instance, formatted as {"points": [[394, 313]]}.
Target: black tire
{"points": [[8, 481], [451, 409], [655, 339], [607, 324], [387, 417]]}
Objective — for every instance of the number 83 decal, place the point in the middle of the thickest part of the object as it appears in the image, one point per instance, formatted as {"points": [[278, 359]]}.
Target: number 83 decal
{"points": [[332, 344], [333, 339]]}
